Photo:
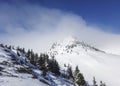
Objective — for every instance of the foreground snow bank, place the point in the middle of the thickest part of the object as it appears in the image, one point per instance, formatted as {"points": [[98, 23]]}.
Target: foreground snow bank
{"points": [[15, 81]]}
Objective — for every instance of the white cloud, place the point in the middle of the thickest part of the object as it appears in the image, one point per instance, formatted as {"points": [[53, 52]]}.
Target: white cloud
{"points": [[37, 28]]}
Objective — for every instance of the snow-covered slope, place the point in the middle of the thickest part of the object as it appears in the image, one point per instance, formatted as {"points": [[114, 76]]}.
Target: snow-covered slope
{"points": [[18, 71], [91, 61], [10, 74]]}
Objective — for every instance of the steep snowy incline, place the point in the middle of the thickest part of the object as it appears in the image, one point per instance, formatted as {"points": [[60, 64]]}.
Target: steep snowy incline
{"points": [[91, 61], [13, 73], [16, 70]]}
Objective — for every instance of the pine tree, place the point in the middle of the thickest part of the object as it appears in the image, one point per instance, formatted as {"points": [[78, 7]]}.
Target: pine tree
{"points": [[18, 48], [18, 53], [13, 48], [1, 45], [36, 59], [76, 71], [94, 82], [45, 67], [54, 66], [28, 53], [45, 64], [78, 77], [70, 73], [41, 61], [102, 84], [6, 46], [10, 47], [31, 56], [23, 50]]}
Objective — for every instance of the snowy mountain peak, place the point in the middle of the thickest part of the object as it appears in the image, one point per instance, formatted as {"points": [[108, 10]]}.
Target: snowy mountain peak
{"points": [[71, 45]]}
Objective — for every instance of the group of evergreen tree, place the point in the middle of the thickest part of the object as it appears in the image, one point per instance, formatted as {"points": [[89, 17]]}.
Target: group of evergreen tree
{"points": [[43, 62], [32, 57], [78, 77], [74, 76], [95, 83]]}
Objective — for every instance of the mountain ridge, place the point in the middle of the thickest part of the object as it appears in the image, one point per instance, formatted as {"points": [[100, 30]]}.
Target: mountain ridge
{"points": [[91, 61], [70, 43]]}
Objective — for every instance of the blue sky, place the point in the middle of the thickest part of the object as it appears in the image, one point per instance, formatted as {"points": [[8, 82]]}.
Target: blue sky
{"points": [[103, 13], [36, 24]]}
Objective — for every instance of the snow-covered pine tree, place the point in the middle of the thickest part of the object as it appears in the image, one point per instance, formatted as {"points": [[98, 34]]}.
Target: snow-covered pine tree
{"points": [[102, 84], [78, 77], [10, 47], [35, 58], [70, 72], [54, 66], [94, 82], [76, 71], [45, 64], [1, 45], [41, 61]]}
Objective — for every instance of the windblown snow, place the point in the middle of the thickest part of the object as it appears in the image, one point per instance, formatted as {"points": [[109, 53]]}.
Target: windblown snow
{"points": [[91, 61]]}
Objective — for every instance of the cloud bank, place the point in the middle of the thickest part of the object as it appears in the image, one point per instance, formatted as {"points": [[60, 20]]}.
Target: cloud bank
{"points": [[36, 27]]}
